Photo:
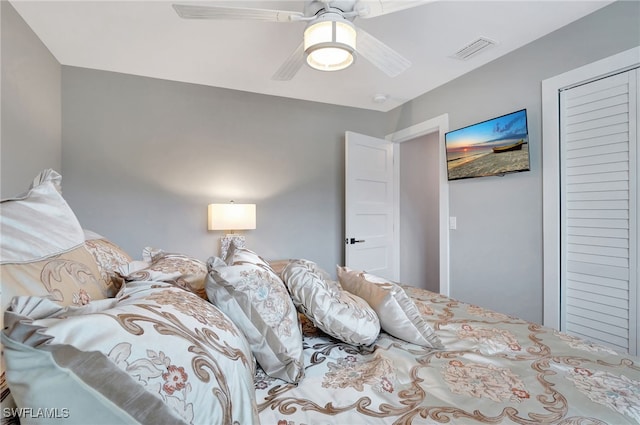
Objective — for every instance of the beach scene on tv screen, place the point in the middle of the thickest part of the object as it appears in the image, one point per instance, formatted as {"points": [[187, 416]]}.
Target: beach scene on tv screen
{"points": [[492, 147]]}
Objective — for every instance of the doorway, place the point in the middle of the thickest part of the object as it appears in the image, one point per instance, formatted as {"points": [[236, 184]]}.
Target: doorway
{"points": [[419, 209], [436, 127]]}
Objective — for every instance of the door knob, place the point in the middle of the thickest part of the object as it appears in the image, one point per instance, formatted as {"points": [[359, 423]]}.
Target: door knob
{"points": [[354, 240]]}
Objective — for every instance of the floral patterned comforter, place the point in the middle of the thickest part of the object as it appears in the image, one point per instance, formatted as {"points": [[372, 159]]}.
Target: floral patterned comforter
{"points": [[494, 369]]}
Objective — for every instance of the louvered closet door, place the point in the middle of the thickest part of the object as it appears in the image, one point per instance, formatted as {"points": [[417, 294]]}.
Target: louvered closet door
{"points": [[599, 185]]}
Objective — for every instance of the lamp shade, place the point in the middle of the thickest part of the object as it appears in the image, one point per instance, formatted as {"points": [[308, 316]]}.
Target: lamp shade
{"points": [[330, 43], [232, 216]]}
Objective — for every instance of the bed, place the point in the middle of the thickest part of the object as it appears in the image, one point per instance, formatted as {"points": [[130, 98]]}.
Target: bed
{"points": [[92, 335], [493, 369]]}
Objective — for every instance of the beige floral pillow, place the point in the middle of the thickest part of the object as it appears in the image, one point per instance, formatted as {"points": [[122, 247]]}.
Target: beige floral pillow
{"points": [[338, 313], [258, 302], [70, 278], [155, 354], [109, 257], [398, 314], [179, 269]]}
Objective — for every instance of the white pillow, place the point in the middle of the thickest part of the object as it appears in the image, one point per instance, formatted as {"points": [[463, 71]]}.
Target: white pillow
{"points": [[39, 223], [338, 313], [398, 314], [255, 298], [153, 354]]}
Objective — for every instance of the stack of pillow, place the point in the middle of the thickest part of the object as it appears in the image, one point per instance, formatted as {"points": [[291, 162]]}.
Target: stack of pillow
{"points": [[179, 337], [263, 303], [78, 347]]}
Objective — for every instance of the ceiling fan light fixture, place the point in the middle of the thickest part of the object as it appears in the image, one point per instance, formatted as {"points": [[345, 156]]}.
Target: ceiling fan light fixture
{"points": [[330, 43]]}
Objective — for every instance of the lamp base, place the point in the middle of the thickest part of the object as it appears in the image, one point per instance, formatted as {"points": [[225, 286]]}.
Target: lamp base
{"points": [[225, 243]]}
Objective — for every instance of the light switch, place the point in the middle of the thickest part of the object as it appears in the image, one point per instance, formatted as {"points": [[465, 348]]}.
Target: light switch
{"points": [[453, 223]]}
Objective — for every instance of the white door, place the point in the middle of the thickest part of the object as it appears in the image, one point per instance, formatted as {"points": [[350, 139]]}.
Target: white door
{"points": [[598, 211], [369, 205]]}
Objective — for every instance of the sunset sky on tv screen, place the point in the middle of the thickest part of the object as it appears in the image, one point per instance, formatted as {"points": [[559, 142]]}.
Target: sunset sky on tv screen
{"points": [[489, 133]]}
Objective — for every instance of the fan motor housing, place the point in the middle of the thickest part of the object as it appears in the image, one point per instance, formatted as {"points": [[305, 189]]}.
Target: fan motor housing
{"points": [[313, 7]]}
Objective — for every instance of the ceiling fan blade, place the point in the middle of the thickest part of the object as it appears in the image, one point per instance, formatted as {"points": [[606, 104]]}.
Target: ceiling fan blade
{"points": [[382, 56], [373, 8], [291, 66], [221, 12]]}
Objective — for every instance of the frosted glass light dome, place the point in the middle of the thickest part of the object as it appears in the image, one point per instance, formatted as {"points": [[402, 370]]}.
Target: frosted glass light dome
{"points": [[330, 43]]}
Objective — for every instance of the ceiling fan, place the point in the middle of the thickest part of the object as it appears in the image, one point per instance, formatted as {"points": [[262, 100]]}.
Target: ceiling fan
{"points": [[330, 41]]}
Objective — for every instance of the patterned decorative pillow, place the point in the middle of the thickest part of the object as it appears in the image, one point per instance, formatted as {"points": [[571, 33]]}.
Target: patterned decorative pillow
{"points": [[258, 302], [42, 248], [398, 314], [181, 270], [154, 354], [109, 256], [69, 278], [338, 313]]}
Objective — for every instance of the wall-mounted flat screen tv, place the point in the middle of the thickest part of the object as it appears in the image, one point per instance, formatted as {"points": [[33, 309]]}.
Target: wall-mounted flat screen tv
{"points": [[489, 148]]}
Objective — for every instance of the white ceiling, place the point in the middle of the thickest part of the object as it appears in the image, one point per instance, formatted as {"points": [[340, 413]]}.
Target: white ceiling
{"points": [[147, 38]]}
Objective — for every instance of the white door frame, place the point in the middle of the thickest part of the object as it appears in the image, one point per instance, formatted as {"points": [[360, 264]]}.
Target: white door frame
{"points": [[551, 170], [438, 124]]}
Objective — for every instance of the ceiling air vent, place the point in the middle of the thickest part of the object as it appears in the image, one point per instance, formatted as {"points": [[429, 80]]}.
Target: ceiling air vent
{"points": [[474, 48]]}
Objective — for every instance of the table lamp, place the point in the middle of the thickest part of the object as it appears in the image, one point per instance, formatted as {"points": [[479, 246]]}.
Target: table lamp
{"points": [[231, 217]]}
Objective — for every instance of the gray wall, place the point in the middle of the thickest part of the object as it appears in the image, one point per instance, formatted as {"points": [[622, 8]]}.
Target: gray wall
{"points": [[31, 117], [143, 157], [419, 211], [496, 252]]}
